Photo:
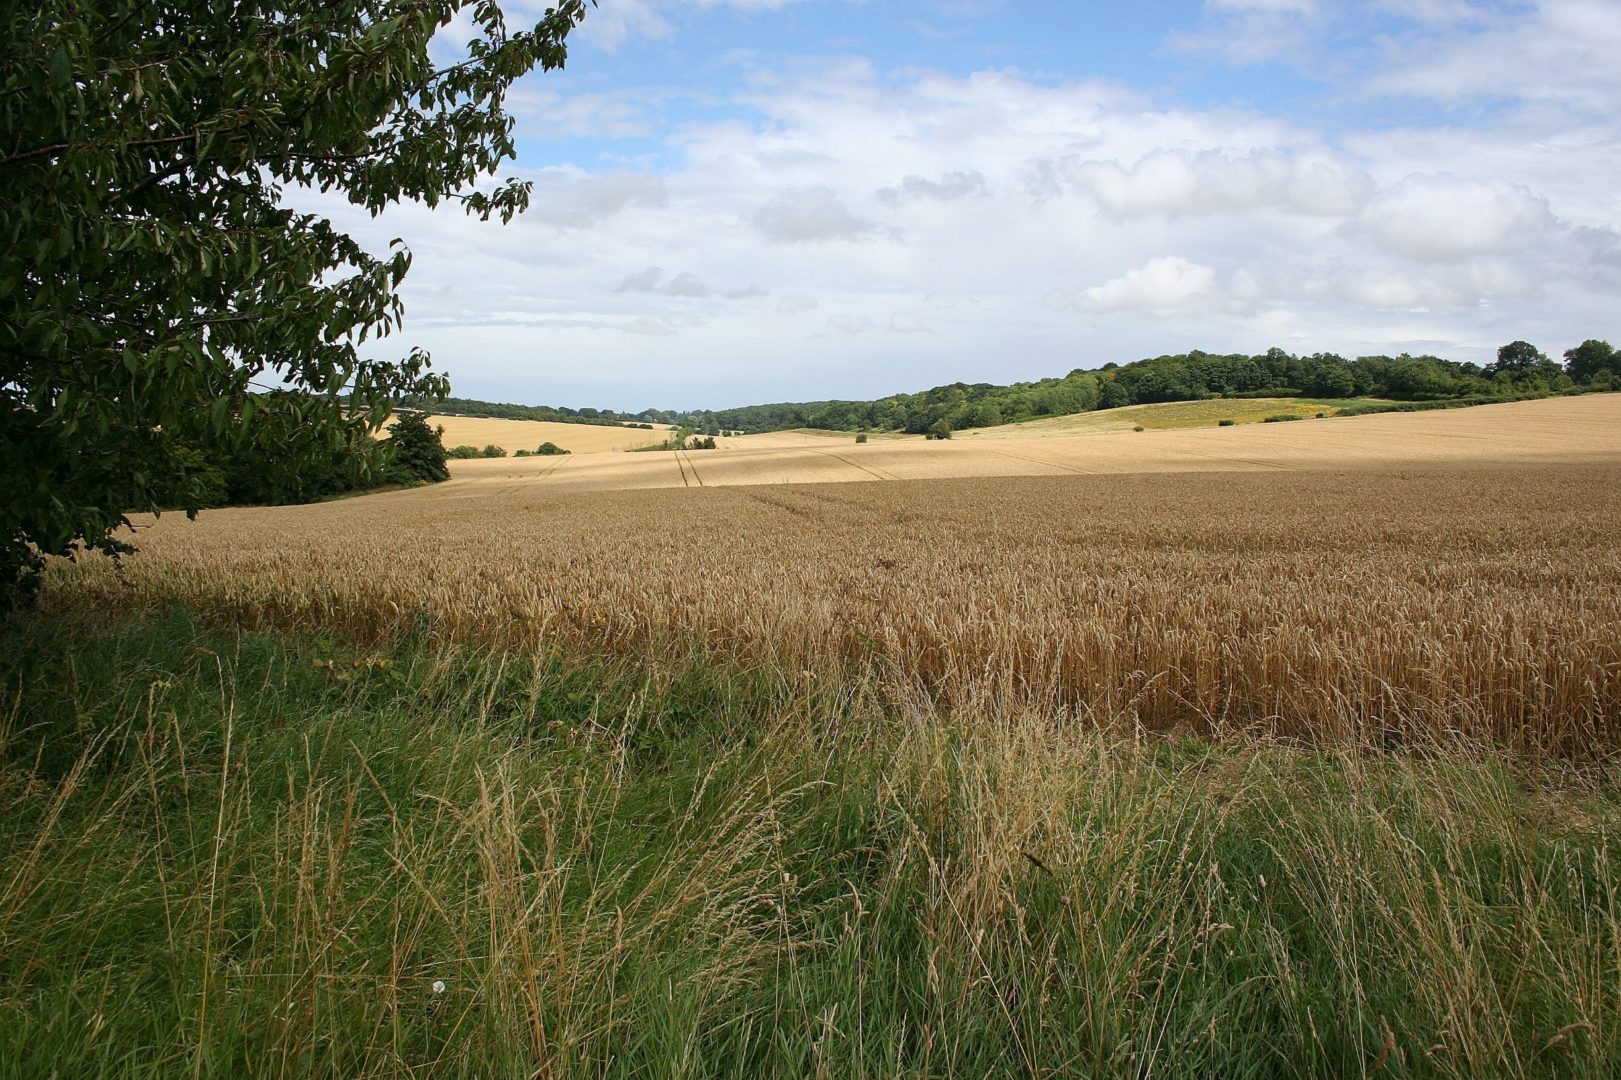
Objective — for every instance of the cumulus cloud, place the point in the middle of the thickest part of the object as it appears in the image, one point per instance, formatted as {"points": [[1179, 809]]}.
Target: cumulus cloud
{"points": [[1175, 182], [1557, 51], [570, 198], [1444, 218], [1050, 203], [811, 215], [949, 188], [1160, 286]]}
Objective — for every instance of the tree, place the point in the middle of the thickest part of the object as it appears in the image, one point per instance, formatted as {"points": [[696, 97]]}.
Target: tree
{"points": [[1514, 358], [940, 429], [419, 452], [151, 274], [1593, 361]]}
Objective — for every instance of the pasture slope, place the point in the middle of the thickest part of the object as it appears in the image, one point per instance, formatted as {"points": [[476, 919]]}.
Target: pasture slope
{"points": [[1283, 750]]}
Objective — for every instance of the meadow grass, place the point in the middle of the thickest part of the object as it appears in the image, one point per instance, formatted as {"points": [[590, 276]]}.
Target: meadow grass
{"points": [[232, 853]]}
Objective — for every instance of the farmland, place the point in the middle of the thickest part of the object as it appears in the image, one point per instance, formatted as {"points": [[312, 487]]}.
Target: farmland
{"points": [[1279, 749], [515, 435], [1565, 429]]}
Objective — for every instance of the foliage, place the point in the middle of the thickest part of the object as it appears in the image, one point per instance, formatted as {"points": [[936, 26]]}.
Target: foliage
{"points": [[862, 437], [1594, 363], [940, 429], [549, 449], [419, 456], [463, 453], [151, 274], [560, 414]]}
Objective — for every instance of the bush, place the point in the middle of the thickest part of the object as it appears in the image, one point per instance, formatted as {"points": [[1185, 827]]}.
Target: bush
{"points": [[1226, 422], [940, 430], [523, 453], [548, 449], [493, 451], [861, 438], [1139, 427], [462, 453], [1281, 418]]}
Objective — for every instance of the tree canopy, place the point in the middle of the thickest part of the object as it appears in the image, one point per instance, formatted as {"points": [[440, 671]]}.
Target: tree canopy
{"points": [[158, 294]]}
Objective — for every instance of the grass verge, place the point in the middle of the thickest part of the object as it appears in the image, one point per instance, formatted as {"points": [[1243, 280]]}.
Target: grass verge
{"points": [[257, 854]]}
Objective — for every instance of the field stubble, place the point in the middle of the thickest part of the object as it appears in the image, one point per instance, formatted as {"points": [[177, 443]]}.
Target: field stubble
{"points": [[1445, 605]]}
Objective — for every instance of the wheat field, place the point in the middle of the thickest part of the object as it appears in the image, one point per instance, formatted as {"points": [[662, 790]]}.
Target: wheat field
{"points": [[1553, 430], [515, 435], [1433, 599], [1216, 770]]}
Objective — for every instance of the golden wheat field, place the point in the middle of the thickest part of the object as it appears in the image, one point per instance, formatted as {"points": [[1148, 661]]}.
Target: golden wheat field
{"points": [[1561, 429], [515, 435], [1393, 598]]}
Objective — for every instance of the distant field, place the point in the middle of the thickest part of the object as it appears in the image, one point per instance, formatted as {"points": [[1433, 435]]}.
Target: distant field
{"points": [[1553, 428], [803, 437], [515, 435], [1169, 415]]}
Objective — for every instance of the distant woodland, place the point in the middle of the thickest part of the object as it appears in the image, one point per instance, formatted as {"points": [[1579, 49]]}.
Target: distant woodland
{"points": [[1519, 371]]}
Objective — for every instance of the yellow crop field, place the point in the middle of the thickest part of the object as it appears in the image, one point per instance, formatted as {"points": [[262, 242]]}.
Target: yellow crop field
{"points": [[515, 435], [1164, 416], [1454, 596], [1566, 429]]}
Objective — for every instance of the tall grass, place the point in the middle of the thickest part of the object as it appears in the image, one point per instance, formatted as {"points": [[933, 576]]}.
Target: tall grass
{"points": [[229, 853]]}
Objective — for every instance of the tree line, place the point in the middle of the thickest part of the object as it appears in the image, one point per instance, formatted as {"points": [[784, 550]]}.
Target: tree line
{"points": [[1520, 370]]}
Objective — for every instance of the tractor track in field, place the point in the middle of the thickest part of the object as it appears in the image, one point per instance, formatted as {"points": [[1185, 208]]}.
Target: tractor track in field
{"points": [[874, 472]]}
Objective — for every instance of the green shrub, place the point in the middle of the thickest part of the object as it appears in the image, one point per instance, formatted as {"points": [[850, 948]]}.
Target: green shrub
{"points": [[1281, 418], [1226, 422], [861, 438], [492, 451], [462, 453], [1139, 427], [548, 449]]}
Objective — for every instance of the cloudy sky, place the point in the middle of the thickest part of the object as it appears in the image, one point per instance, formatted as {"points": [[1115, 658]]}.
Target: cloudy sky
{"points": [[740, 201]]}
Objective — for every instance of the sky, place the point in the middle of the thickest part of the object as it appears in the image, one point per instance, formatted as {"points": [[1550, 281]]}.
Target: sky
{"points": [[745, 201]]}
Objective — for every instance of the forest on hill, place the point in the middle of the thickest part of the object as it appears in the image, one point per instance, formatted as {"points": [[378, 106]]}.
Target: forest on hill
{"points": [[1520, 370]]}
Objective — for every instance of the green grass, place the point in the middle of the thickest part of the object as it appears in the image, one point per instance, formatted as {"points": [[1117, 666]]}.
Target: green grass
{"points": [[228, 854]]}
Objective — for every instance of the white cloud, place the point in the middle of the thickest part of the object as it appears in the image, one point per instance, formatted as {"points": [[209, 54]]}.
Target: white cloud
{"points": [[797, 303], [1561, 52], [1215, 181], [812, 215], [1443, 218], [570, 198], [950, 187], [1162, 286], [1159, 227]]}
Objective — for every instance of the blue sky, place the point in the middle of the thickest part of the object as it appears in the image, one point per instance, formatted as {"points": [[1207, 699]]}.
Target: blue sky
{"points": [[754, 200]]}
